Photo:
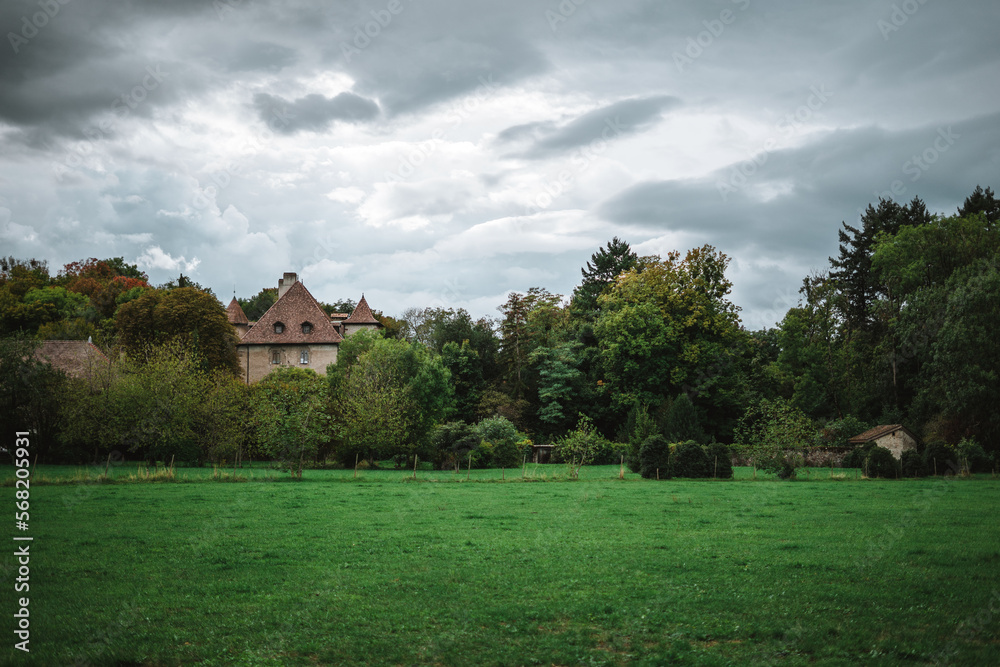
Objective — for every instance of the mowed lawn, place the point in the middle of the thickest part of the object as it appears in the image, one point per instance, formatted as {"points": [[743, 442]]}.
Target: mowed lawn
{"points": [[381, 570]]}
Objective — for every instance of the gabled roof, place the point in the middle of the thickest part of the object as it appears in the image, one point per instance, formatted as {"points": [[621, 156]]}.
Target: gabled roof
{"points": [[235, 313], [295, 307], [362, 314], [880, 432], [76, 358]]}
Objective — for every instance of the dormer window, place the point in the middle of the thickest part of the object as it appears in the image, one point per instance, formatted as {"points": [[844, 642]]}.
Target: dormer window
{"points": [[307, 327], [279, 328]]}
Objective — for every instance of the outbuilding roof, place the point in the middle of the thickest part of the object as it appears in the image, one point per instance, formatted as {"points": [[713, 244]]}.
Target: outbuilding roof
{"points": [[879, 432], [76, 358]]}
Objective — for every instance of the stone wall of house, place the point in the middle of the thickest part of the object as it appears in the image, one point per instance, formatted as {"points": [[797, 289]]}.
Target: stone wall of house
{"points": [[351, 329], [897, 443], [258, 358]]}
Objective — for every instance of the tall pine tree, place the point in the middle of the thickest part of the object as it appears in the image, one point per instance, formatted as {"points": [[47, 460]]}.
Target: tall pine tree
{"points": [[602, 269]]}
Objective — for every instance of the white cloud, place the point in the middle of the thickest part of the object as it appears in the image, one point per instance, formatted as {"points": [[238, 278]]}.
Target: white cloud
{"points": [[155, 258]]}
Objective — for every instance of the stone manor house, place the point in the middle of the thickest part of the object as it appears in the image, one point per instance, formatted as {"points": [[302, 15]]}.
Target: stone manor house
{"points": [[295, 331]]}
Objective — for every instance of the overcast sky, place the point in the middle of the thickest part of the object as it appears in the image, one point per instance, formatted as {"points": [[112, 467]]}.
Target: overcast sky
{"points": [[432, 153]]}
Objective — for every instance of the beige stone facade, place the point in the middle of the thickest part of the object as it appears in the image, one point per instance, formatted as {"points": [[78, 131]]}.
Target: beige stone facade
{"points": [[894, 437], [294, 333], [256, 361]]}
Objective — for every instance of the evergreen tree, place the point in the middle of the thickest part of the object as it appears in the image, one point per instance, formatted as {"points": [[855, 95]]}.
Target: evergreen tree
{"points": [[604, 266], [981, 202], [682, 421], [852, 268]]}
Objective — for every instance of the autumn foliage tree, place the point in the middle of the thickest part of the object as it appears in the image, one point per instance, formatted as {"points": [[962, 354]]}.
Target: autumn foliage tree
{"points": [[184, 314]]}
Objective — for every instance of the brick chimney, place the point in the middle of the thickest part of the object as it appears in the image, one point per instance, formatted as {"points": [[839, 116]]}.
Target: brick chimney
{"points": [[287, 281]]}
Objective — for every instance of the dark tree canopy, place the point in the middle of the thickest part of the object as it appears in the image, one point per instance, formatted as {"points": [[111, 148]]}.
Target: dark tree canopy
{"points": [[184, 281], [604, 266], [852, 268], [984, 202], [255, 307], [186, 314]]}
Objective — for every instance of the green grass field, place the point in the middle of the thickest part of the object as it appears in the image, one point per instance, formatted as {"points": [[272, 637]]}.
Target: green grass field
{"points": [[381, 570]]}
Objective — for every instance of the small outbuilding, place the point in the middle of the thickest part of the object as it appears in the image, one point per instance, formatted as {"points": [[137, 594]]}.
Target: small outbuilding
{"points": [[76, 358], [894, 437], [541, 453]]}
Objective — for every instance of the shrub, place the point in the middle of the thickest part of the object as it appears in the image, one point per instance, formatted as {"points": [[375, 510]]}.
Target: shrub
{"points": [[973, 457], [452, 442], [837, 431], [856, 457], [721, 459], [507, 454], [495, 429], [784, 468], [482, 456], [580, 446], [912, 464], [654, 454], [682, 421], [881, 463], [690, 460], [940, 459], [498, 447], [637, 427], [616, 451], [608, 453]]}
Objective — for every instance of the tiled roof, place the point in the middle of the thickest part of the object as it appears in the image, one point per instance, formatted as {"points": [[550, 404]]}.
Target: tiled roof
{"points": [[362, 314], [76, 358], [235, 313], [295, 308], [879, 432]]}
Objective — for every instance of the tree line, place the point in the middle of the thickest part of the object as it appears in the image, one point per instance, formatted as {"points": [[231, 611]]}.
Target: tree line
{"points": [[897, 329]]}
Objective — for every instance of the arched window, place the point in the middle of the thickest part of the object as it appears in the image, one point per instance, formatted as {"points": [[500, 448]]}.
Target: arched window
{"points": [[279, 328], [307, 327]]}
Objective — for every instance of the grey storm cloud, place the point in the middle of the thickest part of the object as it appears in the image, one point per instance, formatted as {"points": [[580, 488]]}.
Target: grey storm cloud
{"points": [[792, 201], [608, 122], [481, 103], [313, 112]]}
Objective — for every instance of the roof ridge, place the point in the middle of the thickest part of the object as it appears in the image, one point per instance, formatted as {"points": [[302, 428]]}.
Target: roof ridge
{"points": [[297, 302]]}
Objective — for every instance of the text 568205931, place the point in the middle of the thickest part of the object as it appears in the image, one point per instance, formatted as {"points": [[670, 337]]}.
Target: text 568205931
{"points": [[22, 498]]}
